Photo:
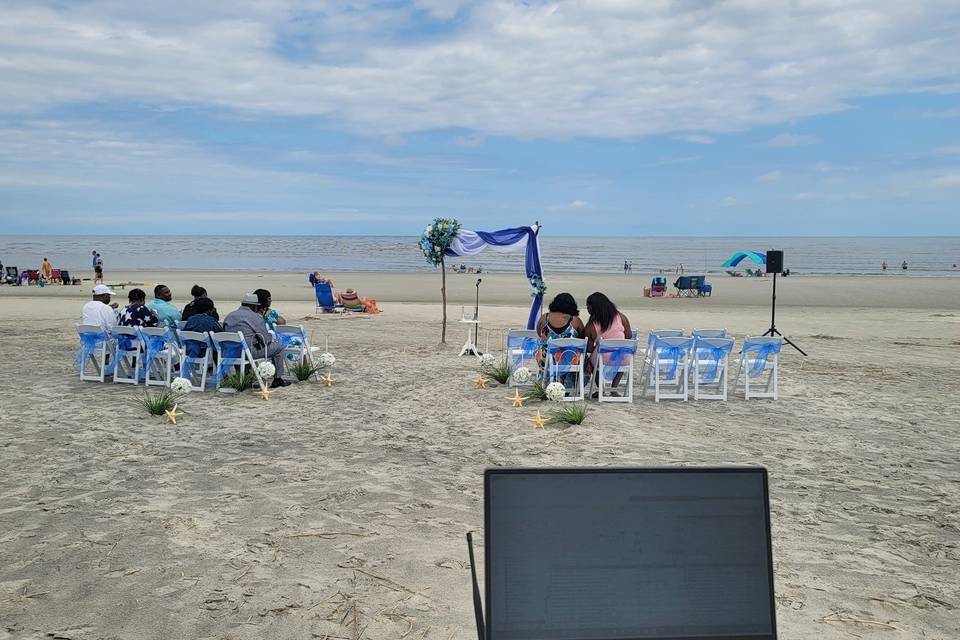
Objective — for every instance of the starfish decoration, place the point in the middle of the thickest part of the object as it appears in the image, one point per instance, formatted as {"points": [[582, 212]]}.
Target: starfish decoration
{"points": [[172, 414], [327, 379], [517, 399], [265, 394], [481, 382], [539, 420]]}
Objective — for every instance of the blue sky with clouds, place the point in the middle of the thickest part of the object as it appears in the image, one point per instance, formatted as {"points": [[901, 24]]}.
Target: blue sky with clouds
{"points": [[611, 116]]}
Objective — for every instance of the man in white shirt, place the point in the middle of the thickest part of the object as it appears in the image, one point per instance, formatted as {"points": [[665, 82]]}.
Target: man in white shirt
{"points": [[99, 311]]}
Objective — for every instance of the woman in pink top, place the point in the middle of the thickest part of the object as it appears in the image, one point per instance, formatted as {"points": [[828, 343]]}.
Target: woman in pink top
{"points": [[605, 322]]}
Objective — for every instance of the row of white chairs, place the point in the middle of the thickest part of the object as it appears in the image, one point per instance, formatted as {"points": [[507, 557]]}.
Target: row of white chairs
{"points": [[131, 355], [670, 363]]}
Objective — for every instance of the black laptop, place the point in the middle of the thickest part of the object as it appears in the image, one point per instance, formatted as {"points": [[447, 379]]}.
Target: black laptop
{"points": [[628, 554]]}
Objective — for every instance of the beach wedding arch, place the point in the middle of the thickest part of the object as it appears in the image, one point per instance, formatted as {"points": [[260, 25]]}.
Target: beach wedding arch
{"points": [[445, 237]]}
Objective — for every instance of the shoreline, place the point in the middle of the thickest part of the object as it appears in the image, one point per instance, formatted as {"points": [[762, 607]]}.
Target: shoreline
{"points": [[512, 289]]}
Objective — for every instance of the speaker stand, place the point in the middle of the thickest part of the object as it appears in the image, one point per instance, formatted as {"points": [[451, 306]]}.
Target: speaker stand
{"points": [[772, 331]]}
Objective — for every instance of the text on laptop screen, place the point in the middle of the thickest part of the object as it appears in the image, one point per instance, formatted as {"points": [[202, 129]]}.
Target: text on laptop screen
{"points": [[628, 554]]}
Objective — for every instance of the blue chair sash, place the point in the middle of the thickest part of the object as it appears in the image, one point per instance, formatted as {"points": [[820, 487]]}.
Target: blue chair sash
{"points": [[290, 339], [525, 348], [153, 345], [762, 351], [229, 351], [673, 353], [615, 358], [89, 343], [714, 355]]}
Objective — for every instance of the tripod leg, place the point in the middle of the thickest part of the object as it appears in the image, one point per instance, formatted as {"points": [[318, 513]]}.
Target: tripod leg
{"points": [[787, 340]]}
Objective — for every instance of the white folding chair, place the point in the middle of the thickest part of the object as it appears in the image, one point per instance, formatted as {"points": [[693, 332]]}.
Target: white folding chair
{"points": [[668, 368], [710, 364], [521, 350], [759, 364], [615, 358], [196, 351], [95, 345], [296, 346], [565, 357], [709, 333], [126, 355], [651, 336], [233, 351], [160, 349]]}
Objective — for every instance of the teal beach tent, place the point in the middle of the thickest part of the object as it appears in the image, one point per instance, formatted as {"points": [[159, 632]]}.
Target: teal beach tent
{"points": [[756, 256]]}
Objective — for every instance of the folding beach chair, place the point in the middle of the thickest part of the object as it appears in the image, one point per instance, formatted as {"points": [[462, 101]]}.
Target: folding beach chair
{"points": [[759, 363], [521, 350], [615, 357], [196, 356], [668, 368], [565, 358], [126, 355], [233, 351], [325, 300], [160, 349], [710, 365], [95, 350], [296, 346], [12, 276]]}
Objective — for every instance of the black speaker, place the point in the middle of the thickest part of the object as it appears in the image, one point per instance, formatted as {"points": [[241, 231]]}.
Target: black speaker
{"points": [[774, 261]]}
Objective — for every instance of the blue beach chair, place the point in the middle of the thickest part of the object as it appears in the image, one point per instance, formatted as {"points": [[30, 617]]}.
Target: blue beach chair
{"points": [[325, 300]]}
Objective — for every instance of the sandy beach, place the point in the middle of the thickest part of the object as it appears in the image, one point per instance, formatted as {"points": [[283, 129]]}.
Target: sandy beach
{"points": [[340, 512]]}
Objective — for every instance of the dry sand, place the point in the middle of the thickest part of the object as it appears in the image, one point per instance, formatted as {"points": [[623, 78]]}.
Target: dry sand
{"points": [[340, 512]]}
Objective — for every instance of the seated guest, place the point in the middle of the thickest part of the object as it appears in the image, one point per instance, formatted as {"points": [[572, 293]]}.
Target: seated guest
{"points": [[168, 314], [605, 322], [561, 321], [204, 317], [351, 300], [137, 314], [100, 311], [271, 317], [248, 320], [197, 292]]}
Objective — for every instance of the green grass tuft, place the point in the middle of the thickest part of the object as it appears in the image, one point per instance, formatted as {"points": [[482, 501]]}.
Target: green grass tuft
{"points": [[499, 371], [159, 402], [574, 413], [239, 382], [303, 370]]}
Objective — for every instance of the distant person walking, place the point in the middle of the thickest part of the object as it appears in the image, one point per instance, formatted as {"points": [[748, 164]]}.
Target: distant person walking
{"points": [[46, 270], [626, 265], [98, 270], [904, 265], [883, 265], [630, 267]]}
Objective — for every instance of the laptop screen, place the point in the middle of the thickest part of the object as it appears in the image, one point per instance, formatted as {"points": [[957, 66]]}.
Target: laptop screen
{"points": [[604, 554]]}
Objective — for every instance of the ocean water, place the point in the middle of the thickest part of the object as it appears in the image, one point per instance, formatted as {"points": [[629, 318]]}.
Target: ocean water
{"points": [[926, 256]]}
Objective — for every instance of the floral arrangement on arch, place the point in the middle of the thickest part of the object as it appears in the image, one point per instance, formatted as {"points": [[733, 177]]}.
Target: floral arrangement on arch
{"points": [[437, 237], [539, 287]]}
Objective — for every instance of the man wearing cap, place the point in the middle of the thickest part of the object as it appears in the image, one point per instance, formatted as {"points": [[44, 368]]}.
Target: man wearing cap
{"points": [[248, 320], [99, 311]]}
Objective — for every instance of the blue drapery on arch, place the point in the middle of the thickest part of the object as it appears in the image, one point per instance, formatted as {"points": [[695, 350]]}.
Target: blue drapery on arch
{"points": [[470, 243]]}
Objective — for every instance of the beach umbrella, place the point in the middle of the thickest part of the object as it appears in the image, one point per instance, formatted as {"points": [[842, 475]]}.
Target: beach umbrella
{"points": [[757, 257]]}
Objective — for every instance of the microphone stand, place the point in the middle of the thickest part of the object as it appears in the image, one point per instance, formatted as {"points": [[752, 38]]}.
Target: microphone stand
{"points": [[476, 316]]}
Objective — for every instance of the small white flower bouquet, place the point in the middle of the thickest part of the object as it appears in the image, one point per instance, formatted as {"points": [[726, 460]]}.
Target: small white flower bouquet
{"points": [[181, 385], [266, 369], [521, 375], [488, 360], [326, 359], [556, 391]]}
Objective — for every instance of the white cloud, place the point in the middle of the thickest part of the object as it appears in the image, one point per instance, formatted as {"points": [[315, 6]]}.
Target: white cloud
{"points": [[729, 201], [792, 140], [576, 205], [696, 138], [949, 181], [497, 68], [946, 113], [806, 195], [773, 176], [950, 150]]}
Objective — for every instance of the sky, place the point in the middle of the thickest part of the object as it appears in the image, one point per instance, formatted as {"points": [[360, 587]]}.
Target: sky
{"points": [[594, 117]]}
